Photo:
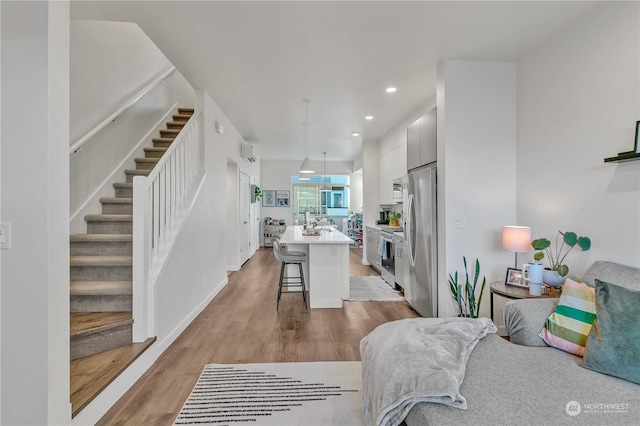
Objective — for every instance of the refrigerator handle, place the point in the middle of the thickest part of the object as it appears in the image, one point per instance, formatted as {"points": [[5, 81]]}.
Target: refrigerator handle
{"points": [[409, 238]]}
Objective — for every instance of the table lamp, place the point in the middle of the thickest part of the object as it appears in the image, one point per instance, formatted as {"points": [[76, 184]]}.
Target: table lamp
{"points": [[516, 239]]}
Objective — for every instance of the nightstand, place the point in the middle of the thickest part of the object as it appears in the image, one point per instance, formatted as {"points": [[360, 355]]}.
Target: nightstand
{"points": [[512, 292]]}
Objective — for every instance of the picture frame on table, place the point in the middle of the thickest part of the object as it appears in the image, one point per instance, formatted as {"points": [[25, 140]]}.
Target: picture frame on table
{"points": [[268, 198], [514, 278]]}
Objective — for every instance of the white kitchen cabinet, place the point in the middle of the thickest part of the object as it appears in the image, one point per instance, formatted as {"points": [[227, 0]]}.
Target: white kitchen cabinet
{"points": [[422, 140], [373, 240], [392, 165]]}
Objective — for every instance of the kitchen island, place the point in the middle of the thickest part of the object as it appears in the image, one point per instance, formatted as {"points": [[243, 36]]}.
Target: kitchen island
{"points": [[326, 271]]}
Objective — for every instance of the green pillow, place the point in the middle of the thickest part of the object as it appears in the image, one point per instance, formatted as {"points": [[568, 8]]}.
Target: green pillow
{"points": [[613, 344]]}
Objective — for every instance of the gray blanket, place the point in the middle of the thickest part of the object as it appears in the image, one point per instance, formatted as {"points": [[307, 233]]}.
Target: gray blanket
{"points": [[416, 360]]}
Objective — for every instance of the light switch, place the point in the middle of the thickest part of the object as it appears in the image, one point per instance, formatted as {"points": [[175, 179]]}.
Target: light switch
{"points": [[5, 235], [460, 222]]}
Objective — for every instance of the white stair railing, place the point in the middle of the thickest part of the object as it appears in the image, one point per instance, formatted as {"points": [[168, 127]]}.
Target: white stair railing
{"points": [[161, 202]]}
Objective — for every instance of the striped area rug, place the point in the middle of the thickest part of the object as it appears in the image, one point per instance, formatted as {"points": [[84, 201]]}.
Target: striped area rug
{"points": [[279, 394]]}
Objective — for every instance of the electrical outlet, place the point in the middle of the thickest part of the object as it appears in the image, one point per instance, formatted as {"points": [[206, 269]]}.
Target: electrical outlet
{"points": [[460, 222], [5, 235]]}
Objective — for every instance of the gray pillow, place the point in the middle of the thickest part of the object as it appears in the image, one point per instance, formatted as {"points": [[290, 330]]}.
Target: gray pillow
{"points": [[613, 345]]}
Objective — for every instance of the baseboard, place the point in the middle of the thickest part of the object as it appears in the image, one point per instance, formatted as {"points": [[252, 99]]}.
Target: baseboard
{"points": [[189, 319], [366, 262], [234, 268], [93, 412]]}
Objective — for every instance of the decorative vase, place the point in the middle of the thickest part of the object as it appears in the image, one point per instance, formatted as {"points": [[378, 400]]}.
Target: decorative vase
{"points": [[394, 222], [552, 278]]}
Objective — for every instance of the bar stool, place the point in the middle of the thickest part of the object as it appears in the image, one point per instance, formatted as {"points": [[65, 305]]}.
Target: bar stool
{"points": [[287, 257]]}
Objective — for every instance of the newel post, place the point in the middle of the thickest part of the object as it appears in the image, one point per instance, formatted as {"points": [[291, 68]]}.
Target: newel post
{"points": [[142, 329]]}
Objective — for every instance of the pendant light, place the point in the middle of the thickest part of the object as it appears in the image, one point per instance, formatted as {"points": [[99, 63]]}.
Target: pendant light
{"points": [[306, 166], [325, 188]]}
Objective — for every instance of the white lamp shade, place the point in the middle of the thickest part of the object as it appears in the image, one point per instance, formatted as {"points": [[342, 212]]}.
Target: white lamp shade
{"points": [[516, 239], [306, 166]]}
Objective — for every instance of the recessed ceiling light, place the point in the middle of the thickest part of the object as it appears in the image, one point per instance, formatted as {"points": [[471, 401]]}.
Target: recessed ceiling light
{"points": [[391, 89], [368, 117], [355, 133]]}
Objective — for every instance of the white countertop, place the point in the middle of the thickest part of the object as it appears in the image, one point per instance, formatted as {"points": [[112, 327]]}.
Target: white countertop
{"points": [[294, 235]]}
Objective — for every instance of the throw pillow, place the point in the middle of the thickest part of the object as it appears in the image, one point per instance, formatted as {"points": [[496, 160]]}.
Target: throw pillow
{"points": [[569, 324], [614, 342]]}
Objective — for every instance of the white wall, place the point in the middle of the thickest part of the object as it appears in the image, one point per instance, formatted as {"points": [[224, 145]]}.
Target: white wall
{"points": [[476, 169], [197, 269], [276, 175], [578, 101], [118, 143], [356, 191], [109, 60], [35, 181]]}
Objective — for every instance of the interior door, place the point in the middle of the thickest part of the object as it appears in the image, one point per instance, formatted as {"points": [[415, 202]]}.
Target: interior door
{"points": [[244, 215]]}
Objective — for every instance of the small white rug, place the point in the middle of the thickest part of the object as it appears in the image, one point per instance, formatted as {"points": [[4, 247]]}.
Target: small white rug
{"points": [[278, 394], [371, 289]]}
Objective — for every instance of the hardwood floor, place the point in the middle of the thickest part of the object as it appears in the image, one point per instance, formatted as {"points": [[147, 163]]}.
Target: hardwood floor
{"points": [[241, 325]]}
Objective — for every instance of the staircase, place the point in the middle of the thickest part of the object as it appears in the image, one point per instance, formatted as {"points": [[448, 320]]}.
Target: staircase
{"points": [[101, 263]]}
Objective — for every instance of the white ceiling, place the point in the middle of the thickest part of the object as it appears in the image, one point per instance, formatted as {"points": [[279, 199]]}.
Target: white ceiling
{"points": [[259, 60]]}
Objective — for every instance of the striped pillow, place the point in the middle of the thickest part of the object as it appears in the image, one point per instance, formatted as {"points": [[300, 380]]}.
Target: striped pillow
{"points": [[569, 324]]}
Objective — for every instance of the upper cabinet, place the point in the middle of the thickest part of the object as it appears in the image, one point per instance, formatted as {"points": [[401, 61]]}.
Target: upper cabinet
{"points": [[392, 165], [422, 140]]}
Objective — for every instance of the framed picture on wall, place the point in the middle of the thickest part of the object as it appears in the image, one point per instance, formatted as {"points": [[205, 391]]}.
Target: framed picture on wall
{"points": [[282, 198], [268, 198]]}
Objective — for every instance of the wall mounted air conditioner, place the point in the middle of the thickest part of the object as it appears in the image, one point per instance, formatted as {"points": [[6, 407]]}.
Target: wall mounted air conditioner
{"points": [[246, 152]]}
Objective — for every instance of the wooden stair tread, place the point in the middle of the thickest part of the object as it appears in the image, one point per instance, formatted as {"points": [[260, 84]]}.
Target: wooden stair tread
{"points": [[181, 117], [101, 237], [83, 322], [116, 200], [109, 218], [90, 375], [169, 140], [101, 288], [146, 160], [189, 111], [122, 185], [176, 123], [101, 260], [170, 131], [155, 149]]}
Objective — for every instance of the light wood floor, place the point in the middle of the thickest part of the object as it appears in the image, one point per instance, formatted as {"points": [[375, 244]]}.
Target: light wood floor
{"points": [[241, 325]]}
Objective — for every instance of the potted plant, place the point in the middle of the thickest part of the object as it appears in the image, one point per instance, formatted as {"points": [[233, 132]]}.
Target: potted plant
{"points": [[465, 294], [394, 218], [257, 193], [557, 271]]}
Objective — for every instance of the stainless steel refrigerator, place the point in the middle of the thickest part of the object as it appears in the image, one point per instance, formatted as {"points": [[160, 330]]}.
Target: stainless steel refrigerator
{"points": [[419, 212]]}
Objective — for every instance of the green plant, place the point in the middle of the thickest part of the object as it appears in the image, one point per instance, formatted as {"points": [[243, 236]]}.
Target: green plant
{"points": [[465, 294], [258, 193], [395, 216], [556, 257]]}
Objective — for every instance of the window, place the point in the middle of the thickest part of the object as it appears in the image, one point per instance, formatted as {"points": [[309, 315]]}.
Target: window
{"points": [[309, 195]]}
